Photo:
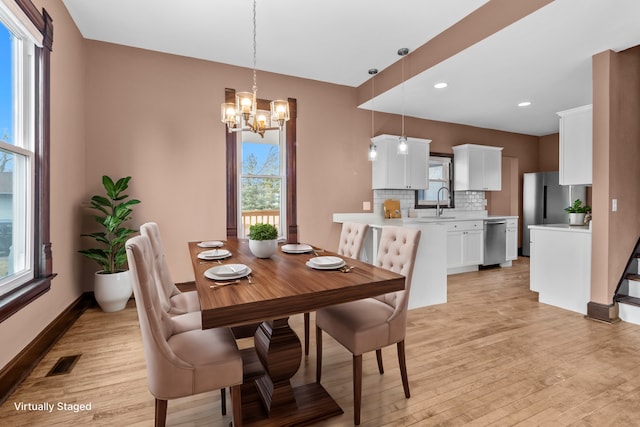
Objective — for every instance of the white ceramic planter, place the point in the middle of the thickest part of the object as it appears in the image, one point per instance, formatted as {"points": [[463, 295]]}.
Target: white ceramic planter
{"points": [[112, 291], [576, 218], [263, 248]]}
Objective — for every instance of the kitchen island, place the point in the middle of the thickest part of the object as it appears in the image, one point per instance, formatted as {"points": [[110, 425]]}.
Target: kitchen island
{"points": [[429, 283], [561, 265]]}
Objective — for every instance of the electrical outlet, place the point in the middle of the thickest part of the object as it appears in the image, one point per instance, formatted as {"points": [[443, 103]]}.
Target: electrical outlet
{"points": [[366, 206]]}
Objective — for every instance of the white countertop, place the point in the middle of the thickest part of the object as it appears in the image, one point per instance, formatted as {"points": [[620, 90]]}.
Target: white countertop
{"points": [[374, 220], [562, 227]]}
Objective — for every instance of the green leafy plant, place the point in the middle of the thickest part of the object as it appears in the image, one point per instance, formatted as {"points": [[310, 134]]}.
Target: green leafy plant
{"points": [[578, 207], [262, 231], [113, 211]]}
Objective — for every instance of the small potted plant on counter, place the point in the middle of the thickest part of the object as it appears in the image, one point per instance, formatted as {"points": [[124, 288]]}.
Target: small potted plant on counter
{"points": [[112, 286], [577, 212], [263, 240]]}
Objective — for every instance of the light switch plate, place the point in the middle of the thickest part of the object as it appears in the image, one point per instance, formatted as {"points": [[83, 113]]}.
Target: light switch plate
{"points": [[614, 205]]}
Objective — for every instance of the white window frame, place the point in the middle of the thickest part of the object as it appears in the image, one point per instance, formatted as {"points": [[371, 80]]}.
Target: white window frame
{"points": [[24, 137], [282, 232]]}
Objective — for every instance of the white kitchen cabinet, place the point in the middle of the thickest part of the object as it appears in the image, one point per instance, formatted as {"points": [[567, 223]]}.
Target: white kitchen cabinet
{"points": [[396, 171], [465, 245], [576, 146], [512, 239], [477, 168]]}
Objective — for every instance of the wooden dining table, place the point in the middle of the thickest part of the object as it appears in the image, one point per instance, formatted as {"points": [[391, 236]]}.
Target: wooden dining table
{"points": [[281, 286]]}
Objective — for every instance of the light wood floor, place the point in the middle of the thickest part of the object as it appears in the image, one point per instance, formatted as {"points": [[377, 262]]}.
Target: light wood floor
{"points": [[492, 355]]}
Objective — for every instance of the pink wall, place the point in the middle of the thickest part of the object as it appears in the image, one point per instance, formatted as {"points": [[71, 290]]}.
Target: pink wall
{"points": [[616, 132], [549, 154], [67, 185], [156, 117]]}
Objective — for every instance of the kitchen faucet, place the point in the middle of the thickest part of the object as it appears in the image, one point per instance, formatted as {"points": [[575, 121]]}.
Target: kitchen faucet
{"points": [[438, 208]]}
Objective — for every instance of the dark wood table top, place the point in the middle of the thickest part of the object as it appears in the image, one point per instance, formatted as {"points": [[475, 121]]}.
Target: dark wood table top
{"points": [[283, 285]]}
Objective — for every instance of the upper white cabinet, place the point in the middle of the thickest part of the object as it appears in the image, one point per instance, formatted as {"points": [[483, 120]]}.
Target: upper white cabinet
{"points": [[477, 167], [396, 171], [576, 146]]}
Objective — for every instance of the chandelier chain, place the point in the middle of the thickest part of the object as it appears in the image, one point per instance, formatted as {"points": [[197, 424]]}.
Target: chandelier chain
{"points": [[255, 81]]}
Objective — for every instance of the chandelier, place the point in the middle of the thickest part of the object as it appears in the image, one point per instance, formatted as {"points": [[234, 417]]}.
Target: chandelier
{"points": [[244, 115]]}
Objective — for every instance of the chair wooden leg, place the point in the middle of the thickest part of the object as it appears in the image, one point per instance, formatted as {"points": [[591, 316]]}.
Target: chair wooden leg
{"points": [[403, 369], [236, 404], [357, 388], [318, 354], [223, 401], [379, 358], [307, 322], [161, 413]]}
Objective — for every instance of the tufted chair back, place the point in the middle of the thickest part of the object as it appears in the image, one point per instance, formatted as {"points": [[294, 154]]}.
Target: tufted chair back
{"points": [[397, 252], [351, 239], [155, 324], [167, 286]]}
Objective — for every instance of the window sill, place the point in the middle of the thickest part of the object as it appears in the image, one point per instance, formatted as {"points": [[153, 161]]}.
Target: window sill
{"points": [[22, 296]]}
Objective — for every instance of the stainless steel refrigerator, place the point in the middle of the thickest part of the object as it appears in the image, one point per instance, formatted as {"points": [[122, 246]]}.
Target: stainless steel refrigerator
{"points": [[544, 201]]}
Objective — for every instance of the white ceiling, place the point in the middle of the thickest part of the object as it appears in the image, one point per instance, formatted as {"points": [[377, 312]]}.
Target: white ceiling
{"points": [[544, 58]]}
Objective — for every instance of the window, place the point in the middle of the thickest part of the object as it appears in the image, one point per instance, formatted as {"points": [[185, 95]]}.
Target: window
{"points": [[262, 181], [16, 159], [25, 251], [440, 175]]}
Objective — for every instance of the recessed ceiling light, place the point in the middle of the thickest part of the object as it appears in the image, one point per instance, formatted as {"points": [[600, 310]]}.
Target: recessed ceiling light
{"points": [[524, 104], [440, 85]]}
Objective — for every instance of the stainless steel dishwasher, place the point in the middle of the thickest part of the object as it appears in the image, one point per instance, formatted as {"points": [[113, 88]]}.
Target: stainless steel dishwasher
{"points": [[495, 241]]}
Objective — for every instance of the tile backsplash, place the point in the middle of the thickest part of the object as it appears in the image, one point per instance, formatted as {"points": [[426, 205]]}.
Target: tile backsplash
{"points": [[464, 200], [470, 200]]}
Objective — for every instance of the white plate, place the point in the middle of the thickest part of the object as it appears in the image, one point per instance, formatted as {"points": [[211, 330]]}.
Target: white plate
{"points": [[326, 261], [325, 267], [296, 248], [214, 254], [211, 244], [214, 272]]}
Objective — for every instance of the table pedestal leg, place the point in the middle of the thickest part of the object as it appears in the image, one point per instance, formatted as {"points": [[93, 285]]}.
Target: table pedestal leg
{"points": [[279, 351]]}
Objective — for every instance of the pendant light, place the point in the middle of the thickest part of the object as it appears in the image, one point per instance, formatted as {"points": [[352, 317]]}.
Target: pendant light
{"points": [[373, 150], [244, 115], [403, 147]]}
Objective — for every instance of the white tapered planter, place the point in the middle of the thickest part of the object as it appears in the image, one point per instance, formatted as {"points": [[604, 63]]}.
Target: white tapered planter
{"points": [[112, 291]]}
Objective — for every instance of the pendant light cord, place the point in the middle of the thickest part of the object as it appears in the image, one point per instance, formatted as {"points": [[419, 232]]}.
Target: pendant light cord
{"points": [[373, 91], [403, 95]]}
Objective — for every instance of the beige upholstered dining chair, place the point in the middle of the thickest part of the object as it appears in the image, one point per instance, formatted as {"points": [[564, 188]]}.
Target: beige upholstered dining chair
{"points": [[179, 362], [373, 323], [172, 299], [351, 240]]}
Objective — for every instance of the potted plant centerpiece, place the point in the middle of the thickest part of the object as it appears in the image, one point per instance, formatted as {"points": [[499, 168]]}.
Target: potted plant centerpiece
{"points": [[263, 240], [112, 286], [577, 212]]}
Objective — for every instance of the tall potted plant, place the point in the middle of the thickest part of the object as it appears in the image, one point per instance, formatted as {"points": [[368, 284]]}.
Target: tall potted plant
{"points": [[577, 212], [112, 285]]}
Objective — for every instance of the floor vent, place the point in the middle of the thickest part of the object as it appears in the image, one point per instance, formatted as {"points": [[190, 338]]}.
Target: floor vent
{"points": [[64, 365]]}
